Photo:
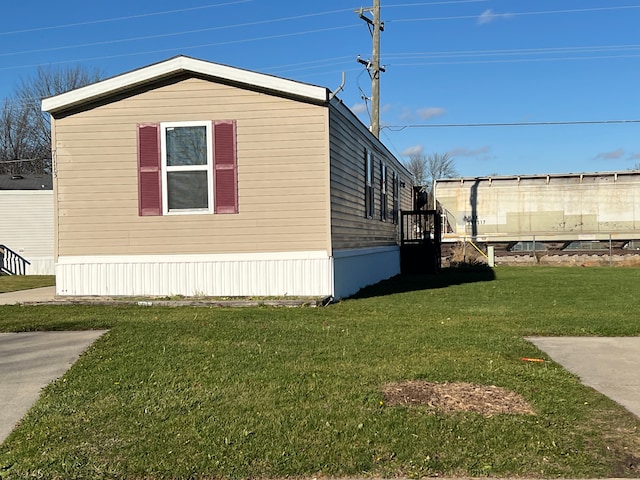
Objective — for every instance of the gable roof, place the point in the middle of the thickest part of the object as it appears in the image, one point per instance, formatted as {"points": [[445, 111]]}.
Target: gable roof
{"points": [[183, 64]]}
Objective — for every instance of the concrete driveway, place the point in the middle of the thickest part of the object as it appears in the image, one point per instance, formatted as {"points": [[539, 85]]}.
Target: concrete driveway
{"points": [[611, 365], [42, 294], [29, 362]]}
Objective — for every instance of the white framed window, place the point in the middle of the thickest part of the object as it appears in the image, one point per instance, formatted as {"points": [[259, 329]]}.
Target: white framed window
{"points": [[396, 197], [186, 152], [369, 206], [187, 167], [383, 192]]}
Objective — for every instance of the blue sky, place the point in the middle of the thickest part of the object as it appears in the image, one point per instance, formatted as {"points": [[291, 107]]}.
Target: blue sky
{"points": [[448, 63]]}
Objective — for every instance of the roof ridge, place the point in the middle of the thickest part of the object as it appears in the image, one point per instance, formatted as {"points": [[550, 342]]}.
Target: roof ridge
{"points": [[176, 65]]}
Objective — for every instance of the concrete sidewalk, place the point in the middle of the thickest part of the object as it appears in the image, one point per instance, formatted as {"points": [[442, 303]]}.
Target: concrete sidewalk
{"points": [[611, 365], [30, 361], [43, 294]]}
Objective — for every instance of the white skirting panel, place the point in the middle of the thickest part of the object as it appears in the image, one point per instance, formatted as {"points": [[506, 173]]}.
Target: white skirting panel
{"points": [[40, 266], [260, 274], [357, 268]]}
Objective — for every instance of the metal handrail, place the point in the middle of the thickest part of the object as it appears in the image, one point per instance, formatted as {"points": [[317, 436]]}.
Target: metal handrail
{"points": [[12, 263]]}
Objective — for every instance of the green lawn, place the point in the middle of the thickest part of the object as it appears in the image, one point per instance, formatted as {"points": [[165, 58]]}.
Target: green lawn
{"points": [[194, 392], [11, 283]]}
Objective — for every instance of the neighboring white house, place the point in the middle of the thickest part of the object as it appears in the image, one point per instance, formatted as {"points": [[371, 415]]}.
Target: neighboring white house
{"points": [[26, 203]]}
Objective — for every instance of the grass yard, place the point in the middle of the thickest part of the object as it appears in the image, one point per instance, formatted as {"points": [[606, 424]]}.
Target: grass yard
{"points": [[195, 392], [12, 283]]}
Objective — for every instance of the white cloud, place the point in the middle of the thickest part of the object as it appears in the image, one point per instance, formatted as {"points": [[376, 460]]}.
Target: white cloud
{"points": [[488, 16], [407, 115], [635, 156], [466, 152], [431, 112], [415, 150], [359, 108], [614, 155]]}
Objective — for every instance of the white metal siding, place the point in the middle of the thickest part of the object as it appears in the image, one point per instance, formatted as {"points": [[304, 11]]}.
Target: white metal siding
{"points": [[27, 227], [278, 274], [358, 268]]}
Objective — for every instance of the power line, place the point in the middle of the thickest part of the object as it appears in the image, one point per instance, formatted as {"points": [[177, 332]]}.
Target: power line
{"points": [[322, 63], [513, 60], [261, 22], [255, 23], [415, 55], [523, 51], [334, 61], [490, 62], [605, 49], [514, 14], [116, 19], [397, 128], [190, 47], [430, 4], [203, 7], [315, 63], [345, 60], [2, 162], [174, 34]]}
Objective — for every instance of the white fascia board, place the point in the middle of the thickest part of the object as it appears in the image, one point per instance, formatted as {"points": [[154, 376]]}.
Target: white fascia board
{"points": [[183, 64]]}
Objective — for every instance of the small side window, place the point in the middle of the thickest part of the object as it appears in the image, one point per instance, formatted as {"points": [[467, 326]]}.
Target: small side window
{"points": [[396, 197], [368, 188], [383, 192]]}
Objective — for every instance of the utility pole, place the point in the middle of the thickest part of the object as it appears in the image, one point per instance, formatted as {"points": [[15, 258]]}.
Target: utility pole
{"points": [[373, 65]]}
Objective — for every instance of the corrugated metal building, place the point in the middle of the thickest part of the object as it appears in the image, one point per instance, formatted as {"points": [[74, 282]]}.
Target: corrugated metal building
{"points": [[558, 213]]}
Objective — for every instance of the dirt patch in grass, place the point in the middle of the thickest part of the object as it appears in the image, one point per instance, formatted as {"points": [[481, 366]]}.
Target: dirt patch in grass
{"points": [[452, 397]]}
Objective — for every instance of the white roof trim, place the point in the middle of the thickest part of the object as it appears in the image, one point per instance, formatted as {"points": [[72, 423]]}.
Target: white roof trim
{"points": [[183, 64]]}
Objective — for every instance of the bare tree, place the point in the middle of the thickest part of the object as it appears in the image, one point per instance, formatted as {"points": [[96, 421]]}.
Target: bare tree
{"points": [[417, 166], [25, 131], [439, 165], [426, 169], [16, 140]]}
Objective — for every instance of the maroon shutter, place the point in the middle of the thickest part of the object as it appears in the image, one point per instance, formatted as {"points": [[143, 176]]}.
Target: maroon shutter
{"points": [[225, 166], [149, 170]]}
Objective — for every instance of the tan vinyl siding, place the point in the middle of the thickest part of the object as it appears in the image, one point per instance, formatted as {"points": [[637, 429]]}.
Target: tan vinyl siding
{"points": [[282, 148], [350, 228]]}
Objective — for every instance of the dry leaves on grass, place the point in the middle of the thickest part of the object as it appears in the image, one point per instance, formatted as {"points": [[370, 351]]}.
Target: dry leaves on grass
{"points": [[452, 397]]}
